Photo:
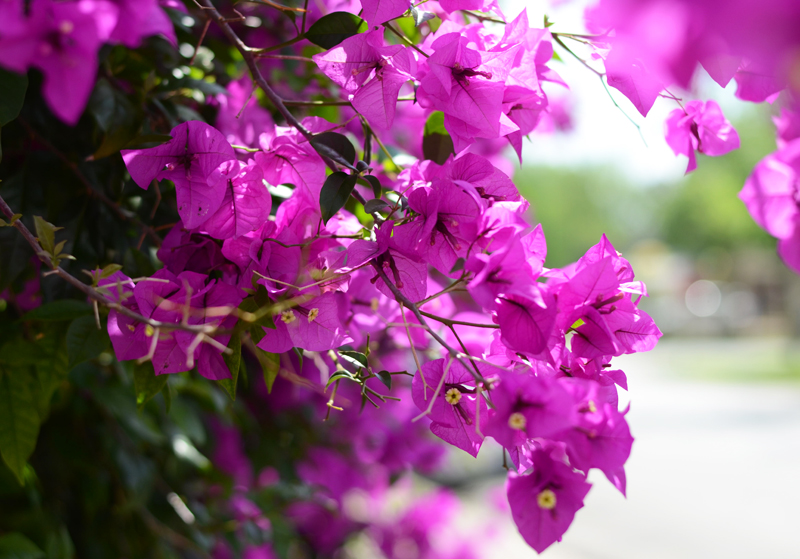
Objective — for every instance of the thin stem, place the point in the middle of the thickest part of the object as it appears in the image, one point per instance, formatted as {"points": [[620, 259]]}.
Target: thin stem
{"points": [[413, 308], [436, 392], [283, 45], [450, 321], [448, 289], [413, 349], [284, 57], [406, 40], [600, 75], [313, 103], [481, 17]]}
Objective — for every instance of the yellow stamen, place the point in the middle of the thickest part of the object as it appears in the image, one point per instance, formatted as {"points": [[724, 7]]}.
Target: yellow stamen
{"points": [[546, 499], [149, 331], [373, 304], [453, 396], [312, 314], [591, 406], [517, 421]]}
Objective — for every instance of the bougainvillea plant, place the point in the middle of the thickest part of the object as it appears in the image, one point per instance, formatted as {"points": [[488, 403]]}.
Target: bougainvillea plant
{"points": [[294, 224]]}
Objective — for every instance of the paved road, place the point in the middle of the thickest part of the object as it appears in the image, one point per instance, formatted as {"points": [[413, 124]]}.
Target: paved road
{"points": [[715, 469]]}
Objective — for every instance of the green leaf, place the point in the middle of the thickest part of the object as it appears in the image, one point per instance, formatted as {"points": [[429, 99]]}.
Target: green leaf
{"points": [[17, 546], [335, 146], [19, 420], [46, 233], [339, 375], [335, 192], [147, 384], [63, 309], [233, 361], [12, 95], [270, 365], [354, 357], [14, 219], [330, 30], [386, 378], [254, 304], [84, 340], [110, 270], [437, 145]]}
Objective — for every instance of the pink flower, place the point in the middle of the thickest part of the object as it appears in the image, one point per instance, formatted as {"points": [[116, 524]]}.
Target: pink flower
{"points": [[700, 127]]}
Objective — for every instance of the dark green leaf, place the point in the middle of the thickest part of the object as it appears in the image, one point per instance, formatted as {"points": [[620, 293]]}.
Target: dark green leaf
{"points": [[375, 184], [17, 546], [437, 148], [166, 392], [59, 545], [330, 30], [335, 192], [270, 365], [148, 141], [63, 309], [437, 145], [85, 341], [115, 116], [146, 383], [19, 420], [233, 362], [386, 378], [299, 353], [458, 265], [354, 357], [12, 95], [375, 205], [335, 146]]}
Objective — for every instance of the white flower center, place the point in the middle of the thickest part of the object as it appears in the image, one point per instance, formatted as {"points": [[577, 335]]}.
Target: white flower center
{"points": [[288, 316]]}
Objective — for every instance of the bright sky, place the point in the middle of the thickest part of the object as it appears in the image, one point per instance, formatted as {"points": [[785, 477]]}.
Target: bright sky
{"points": [[602, 134]]}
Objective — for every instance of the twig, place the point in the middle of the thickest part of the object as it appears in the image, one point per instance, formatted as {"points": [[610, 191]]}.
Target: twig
{"points": [[406, 40], [413, 308], [93, 293]]}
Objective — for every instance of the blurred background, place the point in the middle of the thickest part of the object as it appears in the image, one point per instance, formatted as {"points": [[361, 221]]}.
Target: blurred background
{"points": [[715, 408]]}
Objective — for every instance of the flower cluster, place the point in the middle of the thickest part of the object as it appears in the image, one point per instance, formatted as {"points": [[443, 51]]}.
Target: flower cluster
{"points": [[339, 273], [532, 368]]}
